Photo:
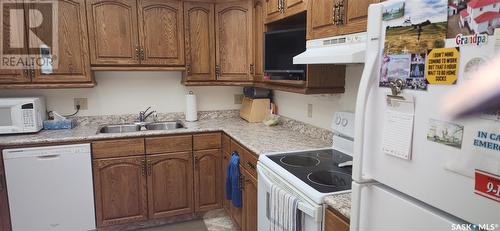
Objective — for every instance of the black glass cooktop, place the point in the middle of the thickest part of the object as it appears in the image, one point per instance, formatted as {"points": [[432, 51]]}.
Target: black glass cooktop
{"points": [[318, 168]]}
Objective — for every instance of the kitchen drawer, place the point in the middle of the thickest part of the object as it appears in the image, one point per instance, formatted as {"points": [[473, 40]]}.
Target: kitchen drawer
{"points": [[169, 144], [207, 141], [117, 148]]}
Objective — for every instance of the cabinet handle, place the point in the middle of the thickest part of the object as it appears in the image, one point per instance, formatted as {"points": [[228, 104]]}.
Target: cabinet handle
{"points": [[250, 165], [141, 53], [137, 52], [252, 69], [341, 13], [279, 6], [241, 183], [196, 162], [150, 167], [217, 70], [32, 73], [335, 6], [188, 69], [143, 168]]}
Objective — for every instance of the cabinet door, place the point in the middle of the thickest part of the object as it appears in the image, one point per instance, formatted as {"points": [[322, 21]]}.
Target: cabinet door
{"points": [[113, 35], [161, 32], [237, 213], [356, 15], [320, 19], [258, 39], [4, 203], [333, 222], [16, 45], [72, 50], [293, 7], [120, 190], [233, 22], [249, 203], [225, 203], [170, 184], [207, 183], [272, 10], [200, 41]]}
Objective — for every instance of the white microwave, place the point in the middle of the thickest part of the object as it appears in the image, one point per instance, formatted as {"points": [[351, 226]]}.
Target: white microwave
{"points": [[22, 115]]}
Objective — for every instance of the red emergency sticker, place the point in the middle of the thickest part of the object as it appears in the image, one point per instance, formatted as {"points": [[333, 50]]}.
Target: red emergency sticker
{"points": [[487, 185]]}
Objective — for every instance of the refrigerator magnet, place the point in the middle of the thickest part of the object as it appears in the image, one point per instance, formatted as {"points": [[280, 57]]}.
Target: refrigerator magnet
{"points": [[487, 185], [442, 66]]}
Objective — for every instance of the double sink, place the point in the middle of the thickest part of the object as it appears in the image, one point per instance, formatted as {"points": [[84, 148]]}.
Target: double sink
{"points": [[135, 127]]}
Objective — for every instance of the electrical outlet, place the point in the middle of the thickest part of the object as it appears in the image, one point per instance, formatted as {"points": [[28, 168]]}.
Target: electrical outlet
{"points": [[309, 110], [82, 102], [238, 99]]}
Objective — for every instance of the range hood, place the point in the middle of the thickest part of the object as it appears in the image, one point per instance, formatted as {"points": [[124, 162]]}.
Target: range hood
{"points": [[334, 50]]}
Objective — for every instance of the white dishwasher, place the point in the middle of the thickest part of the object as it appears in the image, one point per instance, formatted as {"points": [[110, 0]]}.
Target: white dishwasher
{"points": [[50, 188]]}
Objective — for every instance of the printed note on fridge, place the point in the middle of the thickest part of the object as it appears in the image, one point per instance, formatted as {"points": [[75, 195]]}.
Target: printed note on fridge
{"points": [[398, 127]]}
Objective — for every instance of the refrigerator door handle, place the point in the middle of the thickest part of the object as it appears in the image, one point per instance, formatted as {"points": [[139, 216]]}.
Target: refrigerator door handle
{"points": [[372, 57]]}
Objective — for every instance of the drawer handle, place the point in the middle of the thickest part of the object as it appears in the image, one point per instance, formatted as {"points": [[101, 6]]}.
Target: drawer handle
{"points": [[250, 165]]}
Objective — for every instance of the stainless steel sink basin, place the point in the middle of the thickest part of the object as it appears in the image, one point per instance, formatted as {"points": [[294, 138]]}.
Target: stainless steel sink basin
{"points": [[169, 125], [121, 128]]}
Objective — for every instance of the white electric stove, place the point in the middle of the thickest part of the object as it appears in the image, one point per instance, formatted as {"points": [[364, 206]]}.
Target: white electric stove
{"points": [[310, 175]]}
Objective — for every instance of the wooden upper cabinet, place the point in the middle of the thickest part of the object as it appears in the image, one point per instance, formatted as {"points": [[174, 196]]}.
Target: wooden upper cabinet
{"points": [[279, 9], [233, 22], [120, 190], [207, 180], [200, 41], [249, 202], [320, 18], [272, 9], [114, 38], [15, 33], [258, 39], [170, 184], [161, 32], [72, 53]]}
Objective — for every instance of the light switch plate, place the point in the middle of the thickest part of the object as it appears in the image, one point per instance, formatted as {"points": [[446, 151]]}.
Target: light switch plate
{"points": [[309, 110], [82, 102]]}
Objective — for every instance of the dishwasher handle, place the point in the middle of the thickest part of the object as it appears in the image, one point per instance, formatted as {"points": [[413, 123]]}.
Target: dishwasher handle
{"points": [[49, 157]]}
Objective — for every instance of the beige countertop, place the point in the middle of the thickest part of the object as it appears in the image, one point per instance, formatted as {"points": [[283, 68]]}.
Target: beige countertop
{"points": [[257, 137], [341, 203]]}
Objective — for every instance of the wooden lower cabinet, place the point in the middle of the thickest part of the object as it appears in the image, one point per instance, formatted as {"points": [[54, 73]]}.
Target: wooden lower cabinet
{"points": [[120, 190], [207, 180], [4, 205], [170, 187], [335, 222], [249, 202]]}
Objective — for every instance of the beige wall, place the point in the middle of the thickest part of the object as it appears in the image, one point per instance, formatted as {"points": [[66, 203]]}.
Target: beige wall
{"points": [[295, 105], [131, 92]]}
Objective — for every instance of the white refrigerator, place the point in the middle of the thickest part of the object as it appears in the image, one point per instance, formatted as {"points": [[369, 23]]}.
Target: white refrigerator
{"points": [[433, 188]]}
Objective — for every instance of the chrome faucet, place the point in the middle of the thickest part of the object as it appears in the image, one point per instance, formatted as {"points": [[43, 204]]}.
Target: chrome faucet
{"points": [[143, 116]]}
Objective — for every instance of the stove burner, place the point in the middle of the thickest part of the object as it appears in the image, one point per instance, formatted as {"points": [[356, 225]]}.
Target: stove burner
{"points": [[330, 178], [299, 161]]}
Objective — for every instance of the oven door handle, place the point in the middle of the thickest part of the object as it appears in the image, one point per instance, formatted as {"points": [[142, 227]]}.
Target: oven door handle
{"points": [[313, 212]]}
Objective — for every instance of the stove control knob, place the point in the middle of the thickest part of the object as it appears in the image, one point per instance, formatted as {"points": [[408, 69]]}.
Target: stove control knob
{"points": [[344, 122], [338, 120]]}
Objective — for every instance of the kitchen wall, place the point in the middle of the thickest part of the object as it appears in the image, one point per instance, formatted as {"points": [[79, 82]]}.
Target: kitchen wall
{"points": [[295, 106], [131, 92]]}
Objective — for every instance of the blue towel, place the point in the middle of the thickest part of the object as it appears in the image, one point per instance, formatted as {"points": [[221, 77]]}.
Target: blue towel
{"points": [[233, 191]]}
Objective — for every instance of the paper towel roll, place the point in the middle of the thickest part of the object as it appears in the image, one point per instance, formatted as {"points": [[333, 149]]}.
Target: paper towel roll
{"points": [[191, 107]]}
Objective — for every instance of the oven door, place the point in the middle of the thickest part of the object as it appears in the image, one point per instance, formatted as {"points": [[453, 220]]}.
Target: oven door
{"points": [[312, 214], [11, 117]]}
